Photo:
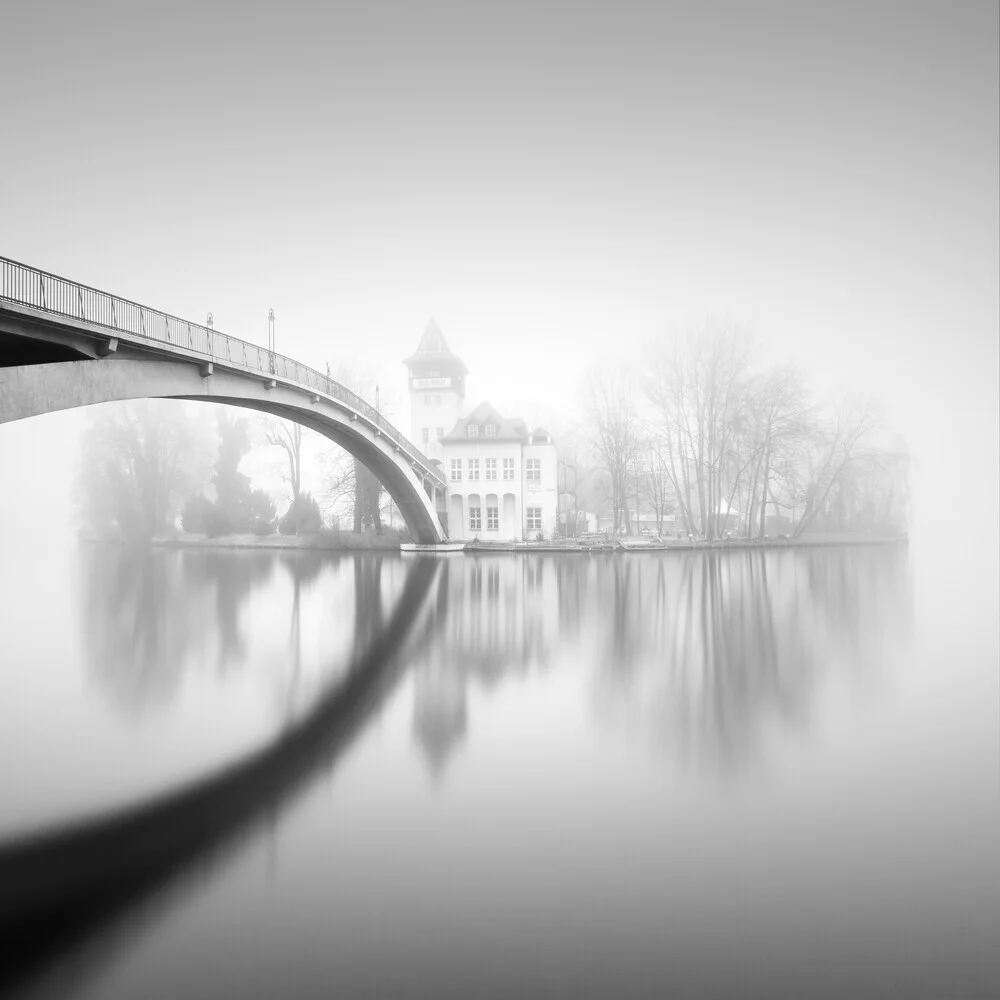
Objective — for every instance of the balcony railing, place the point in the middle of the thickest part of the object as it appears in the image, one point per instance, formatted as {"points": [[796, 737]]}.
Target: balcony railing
{"points": [[48, 292]]}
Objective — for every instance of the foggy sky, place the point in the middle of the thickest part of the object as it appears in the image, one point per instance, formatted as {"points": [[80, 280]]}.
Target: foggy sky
{"points": [[550, 186]]}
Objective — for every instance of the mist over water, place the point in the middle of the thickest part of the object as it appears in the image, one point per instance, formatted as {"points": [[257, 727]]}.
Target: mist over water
{"points": [[605, 775], [721, 773], [167, 664]]}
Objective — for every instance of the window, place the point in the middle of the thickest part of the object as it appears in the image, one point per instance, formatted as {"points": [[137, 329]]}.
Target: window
{"points": [[534, 519], [456, 469], [491, 430], [491, 468], [475, 519], [473, 430], [533, 470], [437, 400], [427, 434], [427, 400], [508, 468], [440, 432], [492, 518], [473, 468]]}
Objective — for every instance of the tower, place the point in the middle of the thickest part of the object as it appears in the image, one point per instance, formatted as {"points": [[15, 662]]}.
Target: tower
{"points": [[437, 391]]}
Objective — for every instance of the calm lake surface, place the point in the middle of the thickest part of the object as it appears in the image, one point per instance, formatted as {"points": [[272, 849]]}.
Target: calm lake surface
{"points": [[687, 774]]}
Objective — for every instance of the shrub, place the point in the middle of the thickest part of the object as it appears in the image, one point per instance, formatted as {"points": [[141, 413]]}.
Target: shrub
{"points": [[262, 527], [262, 513], [218, 522], [195, 513], [302, 517]]}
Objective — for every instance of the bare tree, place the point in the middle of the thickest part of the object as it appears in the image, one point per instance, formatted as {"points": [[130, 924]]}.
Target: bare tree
{"points": [[655, 483], [844, 445], [338, 482], [733, 441], [139, 461], [287, 436], [886, 493], [368, 495], [696, 385], [782, 420], [610, 404], [370, 498]]}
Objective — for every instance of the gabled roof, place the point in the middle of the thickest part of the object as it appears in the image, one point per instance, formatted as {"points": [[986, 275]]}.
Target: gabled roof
{"points": [[434, 348], [508, 429]]}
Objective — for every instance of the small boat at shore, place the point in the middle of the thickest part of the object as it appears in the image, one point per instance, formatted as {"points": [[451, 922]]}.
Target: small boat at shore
{"points": [[440, 548]]}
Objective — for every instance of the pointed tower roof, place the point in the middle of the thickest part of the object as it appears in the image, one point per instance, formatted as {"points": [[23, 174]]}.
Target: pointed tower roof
{"points": [[433, 342], [434, 348]]}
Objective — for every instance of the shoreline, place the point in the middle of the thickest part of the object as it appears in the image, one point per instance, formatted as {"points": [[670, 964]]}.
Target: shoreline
{"points": [[311, 543], [354, 543], [629, 546]]}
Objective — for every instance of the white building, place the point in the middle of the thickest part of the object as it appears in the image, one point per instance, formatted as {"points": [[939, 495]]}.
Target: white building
{"points": [[502, 476]]}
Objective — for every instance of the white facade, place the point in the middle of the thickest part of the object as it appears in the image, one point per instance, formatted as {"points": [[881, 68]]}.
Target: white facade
{"points": [[501, 460], [435, 405], [541, 485], [502, 479]]}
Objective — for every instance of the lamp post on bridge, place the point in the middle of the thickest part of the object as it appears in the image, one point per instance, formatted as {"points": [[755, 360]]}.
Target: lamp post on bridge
{"points": [[270, 337], [210, 323]]}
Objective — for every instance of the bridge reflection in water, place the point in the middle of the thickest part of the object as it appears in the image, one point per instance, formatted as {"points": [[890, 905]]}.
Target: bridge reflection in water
{"points": [[698, 653], [62, 887]]}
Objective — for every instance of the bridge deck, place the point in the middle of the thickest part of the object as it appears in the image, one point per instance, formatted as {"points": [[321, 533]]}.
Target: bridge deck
{"points": [[32, 293]]}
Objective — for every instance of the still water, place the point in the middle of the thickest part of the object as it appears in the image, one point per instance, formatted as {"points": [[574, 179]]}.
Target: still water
{"points": [[690, 774]]}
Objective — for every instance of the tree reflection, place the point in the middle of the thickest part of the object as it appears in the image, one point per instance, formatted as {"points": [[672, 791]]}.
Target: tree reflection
{"points": [[304, 569], [369, 612], [361, 584], [232, 576], [702, 651], [149, 612], [143, 615], [740, 640]]}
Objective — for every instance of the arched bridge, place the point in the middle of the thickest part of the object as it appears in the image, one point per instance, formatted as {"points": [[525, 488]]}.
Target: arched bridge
{"points": [[63, 344]]}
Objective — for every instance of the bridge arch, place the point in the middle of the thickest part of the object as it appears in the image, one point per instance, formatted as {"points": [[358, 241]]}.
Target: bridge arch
{"points": [[30, 390]]}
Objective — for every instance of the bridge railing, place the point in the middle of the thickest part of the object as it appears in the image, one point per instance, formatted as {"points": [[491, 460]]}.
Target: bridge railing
{"points": [[31, 287]]}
